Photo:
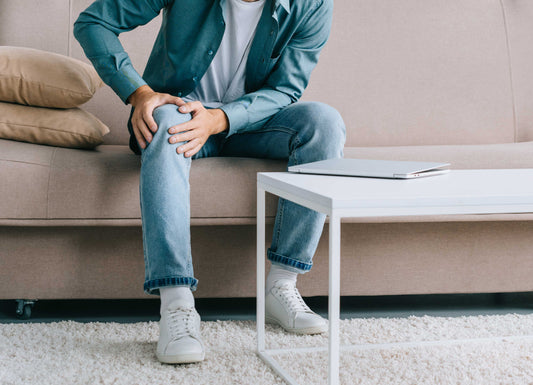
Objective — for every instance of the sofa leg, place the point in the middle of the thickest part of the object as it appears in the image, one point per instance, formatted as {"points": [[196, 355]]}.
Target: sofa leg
{"points": [[24, 308]]}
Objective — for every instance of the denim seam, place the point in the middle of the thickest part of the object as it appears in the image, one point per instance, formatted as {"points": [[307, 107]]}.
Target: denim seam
{"points": [[297, 144], [274, 257], [281, 211], [188, 221], [145, 246]]}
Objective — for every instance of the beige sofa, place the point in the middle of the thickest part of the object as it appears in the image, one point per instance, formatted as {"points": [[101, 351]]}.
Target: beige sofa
{"points": [[443, 80]]}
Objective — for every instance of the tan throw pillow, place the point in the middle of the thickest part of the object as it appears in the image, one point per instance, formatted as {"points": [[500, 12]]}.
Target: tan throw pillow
{"points": [[39, 78], [56, 127]]}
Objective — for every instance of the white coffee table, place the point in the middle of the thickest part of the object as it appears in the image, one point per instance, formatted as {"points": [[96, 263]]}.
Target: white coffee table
{"points": [[459, 192]]}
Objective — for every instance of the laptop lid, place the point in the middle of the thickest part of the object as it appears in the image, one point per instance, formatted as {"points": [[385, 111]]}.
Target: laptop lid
{"points": [[372, 168]]}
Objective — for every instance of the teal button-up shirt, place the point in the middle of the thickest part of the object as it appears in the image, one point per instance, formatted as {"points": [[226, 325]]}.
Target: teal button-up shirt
{"points": [[285, 49]]}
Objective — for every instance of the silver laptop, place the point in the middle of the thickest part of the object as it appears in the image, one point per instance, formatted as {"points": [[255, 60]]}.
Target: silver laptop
{"points": [[373, 168]]}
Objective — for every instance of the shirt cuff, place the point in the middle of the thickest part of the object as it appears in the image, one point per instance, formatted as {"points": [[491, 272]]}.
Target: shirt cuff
{"points": [[126, 81], [237, 117]]}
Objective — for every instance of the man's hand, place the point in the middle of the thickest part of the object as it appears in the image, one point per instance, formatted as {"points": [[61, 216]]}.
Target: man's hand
{"points": [[145, 101], [196, 131]]}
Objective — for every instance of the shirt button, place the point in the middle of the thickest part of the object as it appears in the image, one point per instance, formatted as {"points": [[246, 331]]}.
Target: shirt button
{"points": [[271, 32], [210, 52], [195, 78], [179, 93]]}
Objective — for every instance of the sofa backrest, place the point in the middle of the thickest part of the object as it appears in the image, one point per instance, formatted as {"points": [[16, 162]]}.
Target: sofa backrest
{"points": [[401, 72]]}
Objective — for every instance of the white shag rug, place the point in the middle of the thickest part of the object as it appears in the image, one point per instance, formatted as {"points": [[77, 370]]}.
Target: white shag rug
{"points": [[112, 353]]}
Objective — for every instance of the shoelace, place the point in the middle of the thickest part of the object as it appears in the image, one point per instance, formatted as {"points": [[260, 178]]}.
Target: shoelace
{"points": [[182, 322], [292, 298]]}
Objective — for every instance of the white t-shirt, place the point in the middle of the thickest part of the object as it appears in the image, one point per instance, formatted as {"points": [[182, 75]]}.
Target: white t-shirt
{"points": [[224, 80]]}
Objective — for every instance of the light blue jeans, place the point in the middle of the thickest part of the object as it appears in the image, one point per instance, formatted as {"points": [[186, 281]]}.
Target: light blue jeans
{"points": [[301, 132]]}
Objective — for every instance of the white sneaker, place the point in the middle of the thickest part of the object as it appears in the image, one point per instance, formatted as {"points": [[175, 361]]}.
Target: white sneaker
{"points": [[179, 335], [285, 307]]}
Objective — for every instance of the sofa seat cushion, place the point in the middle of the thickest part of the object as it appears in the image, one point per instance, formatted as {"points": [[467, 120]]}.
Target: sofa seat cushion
{"points": [[101, 186], [44, 182]]}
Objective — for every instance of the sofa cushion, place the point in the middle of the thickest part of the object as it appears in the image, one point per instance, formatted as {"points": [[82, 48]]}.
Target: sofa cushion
{"points": [[72, 127], [76, 185], [39, 78], [24, 172], [104, 184]]}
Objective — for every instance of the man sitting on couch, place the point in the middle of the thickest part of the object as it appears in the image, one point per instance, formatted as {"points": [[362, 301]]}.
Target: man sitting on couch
{"points": [[223, 79]]}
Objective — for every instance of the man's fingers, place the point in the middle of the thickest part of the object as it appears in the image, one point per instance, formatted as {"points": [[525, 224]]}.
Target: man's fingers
{"points": [[189, 147], [193, 151], [191, 106], [139, 138], [183, 127], [196, 105], [170, 99], [177, 101], [183, 137], [149, 120], [143, 129]]}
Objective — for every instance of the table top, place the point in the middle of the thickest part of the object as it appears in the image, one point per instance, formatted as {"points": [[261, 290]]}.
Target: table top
{"points": [[459, 191]]}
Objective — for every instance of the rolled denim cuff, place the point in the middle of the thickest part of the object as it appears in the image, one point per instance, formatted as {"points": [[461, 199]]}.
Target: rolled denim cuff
{"points": [[289, 263], [152, 286]]}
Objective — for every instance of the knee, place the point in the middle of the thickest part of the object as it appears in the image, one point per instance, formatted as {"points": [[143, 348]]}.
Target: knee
{"points": [[165, 116], [325, 127], [168, 115]]}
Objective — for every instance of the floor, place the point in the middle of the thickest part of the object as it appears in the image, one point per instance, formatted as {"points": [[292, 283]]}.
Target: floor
{"points": [[449, 305]]}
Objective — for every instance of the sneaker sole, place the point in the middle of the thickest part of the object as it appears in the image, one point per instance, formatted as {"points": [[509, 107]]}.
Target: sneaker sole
{"points": [[309, 330], [181, 358]]}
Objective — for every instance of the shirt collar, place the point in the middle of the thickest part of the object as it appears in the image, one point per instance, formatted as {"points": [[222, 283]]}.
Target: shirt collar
{"points": [[285, 4]]}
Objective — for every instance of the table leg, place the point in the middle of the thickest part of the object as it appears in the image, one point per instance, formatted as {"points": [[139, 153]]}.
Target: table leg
{"points": [[334, 298], [260, 270]]}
